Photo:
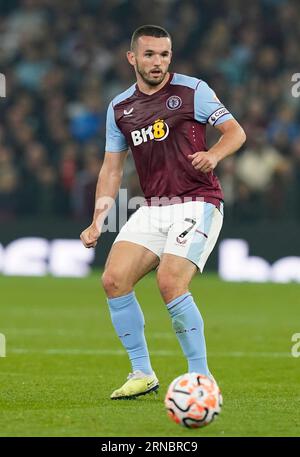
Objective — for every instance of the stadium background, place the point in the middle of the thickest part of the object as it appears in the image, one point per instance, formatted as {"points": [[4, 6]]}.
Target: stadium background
{"points": [[63, 62]]}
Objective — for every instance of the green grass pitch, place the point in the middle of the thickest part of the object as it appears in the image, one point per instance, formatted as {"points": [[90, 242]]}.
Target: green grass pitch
{"points": [[63, 359]]}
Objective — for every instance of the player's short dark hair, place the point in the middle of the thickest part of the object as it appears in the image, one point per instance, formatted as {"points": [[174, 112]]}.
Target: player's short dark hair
{"points": [[149, 30]]}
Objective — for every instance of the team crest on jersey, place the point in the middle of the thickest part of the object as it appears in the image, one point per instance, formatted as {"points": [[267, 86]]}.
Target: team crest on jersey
{"points": [[158, 131], [174, 102]]}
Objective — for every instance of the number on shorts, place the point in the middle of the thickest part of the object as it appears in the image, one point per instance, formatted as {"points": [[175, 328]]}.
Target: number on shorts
{"points": [[183, 234]]}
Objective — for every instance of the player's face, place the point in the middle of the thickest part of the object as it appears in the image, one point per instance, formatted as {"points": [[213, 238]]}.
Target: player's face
{"points": [[151, 59]]}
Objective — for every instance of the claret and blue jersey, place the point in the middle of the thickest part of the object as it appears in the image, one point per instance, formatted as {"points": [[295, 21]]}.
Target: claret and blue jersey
{"points": [[161, 130]]}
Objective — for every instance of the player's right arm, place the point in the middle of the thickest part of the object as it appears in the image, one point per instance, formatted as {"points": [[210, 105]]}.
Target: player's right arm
{"points": [[108, 186], [109, 179]]}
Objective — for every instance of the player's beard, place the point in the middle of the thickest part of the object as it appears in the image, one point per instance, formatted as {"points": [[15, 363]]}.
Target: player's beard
{"points": [[146, 76]]}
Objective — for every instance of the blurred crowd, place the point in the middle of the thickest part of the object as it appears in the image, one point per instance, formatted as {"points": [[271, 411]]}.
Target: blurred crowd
{"points": [[65, 59]]}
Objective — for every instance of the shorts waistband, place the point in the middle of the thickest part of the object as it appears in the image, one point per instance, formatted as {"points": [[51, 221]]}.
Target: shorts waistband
{"points": [[166, 201]]}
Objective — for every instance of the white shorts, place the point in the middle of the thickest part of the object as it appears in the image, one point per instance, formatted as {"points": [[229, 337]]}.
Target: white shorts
{"points": [[188, 230]]}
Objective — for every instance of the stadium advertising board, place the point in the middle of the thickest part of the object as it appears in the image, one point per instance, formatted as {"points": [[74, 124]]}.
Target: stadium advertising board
{"points": [[37, 256]]}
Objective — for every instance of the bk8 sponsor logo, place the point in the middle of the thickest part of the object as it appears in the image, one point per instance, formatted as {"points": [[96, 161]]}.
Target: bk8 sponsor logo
{"points": [[158, 131]]}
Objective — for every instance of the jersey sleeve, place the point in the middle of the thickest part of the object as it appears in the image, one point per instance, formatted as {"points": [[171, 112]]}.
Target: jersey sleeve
{"points": [[207, 106], [115, 140]]}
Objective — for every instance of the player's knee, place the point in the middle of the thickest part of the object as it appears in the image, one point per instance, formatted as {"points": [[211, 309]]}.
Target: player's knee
{"points": [[114, 284], [169, 285], [110, 283]]}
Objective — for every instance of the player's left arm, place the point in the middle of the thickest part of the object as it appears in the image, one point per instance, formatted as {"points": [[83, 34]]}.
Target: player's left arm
{"points": [[233, 137], [208, 109]]}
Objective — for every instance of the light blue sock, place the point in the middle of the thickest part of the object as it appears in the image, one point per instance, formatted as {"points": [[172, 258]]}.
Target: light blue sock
{"points": [[188, 325], [128, 320]]}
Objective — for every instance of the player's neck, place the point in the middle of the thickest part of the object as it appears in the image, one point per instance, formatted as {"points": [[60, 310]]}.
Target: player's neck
{"points": [[148, 89]]}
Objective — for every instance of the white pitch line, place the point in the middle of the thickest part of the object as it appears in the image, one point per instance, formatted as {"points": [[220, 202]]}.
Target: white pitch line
{"points": [[117, 352], [71, 333]]}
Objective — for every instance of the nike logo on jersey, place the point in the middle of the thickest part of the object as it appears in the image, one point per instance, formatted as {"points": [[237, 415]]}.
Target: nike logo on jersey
{"points": [[127, 113]]}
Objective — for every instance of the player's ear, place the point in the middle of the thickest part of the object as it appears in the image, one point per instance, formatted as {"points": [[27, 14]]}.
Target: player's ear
{"points": [[131, 57]]}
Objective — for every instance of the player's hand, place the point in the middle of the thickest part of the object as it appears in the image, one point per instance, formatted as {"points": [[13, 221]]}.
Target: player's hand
{"points": [[204, 161], [90, 235]]}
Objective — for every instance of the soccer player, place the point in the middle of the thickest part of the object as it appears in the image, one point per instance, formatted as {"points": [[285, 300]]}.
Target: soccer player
{"points": [[162, 118]]}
